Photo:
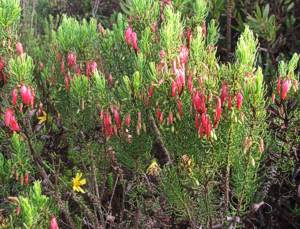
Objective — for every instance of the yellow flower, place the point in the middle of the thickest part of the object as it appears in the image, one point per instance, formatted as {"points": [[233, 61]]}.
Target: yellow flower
{"points": [[78, 182], [43, 118], [153, 169]]}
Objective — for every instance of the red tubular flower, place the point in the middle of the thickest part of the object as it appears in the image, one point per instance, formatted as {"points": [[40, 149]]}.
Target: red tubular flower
{"points": [[108, 129], [26, 179], [170, 118], [161, 118], [14, 96], [174, 88], [19, 49], [88, 69], [179, 85], [239, 100], [179, 107], [134, 42], [184, 55], [279, 86], [151, 90], [217, 115], [158, 113], [127, 120], [224, 93], [71, 59], [117, 118], [53, 223], [286, 85], [205, 126], [199, 102], [190, 83], [128, 36], [10, 120], [196, 101]]}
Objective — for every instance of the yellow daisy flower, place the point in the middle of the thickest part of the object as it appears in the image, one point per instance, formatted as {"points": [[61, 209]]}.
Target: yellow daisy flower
{"points": [[43, 118], [78, 182]]}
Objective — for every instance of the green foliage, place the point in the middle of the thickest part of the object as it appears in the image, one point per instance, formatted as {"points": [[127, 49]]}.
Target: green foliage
{"points": [[170, 33], [21, 70], [78, 37], [35, 208], [9, 13], [246, 51]]}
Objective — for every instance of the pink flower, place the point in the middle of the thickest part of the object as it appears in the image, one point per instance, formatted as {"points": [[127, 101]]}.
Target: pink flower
{"points": [[184, 55], [239, 100], [27, 95], [14, 96], [217, 115], [127, 120], [9, 114], [53, 223], [131, 39], [170, 118], [19, 49], [286, 85], [71, 59], [190, 83], [10, 120], [117, 118], [128, 36], [224, 93], [134, 42]]}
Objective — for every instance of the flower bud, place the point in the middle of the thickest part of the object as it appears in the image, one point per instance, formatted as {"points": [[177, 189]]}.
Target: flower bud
{"points": [[19, 49]]}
